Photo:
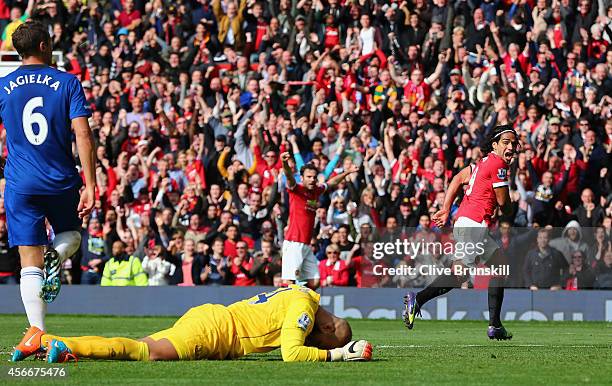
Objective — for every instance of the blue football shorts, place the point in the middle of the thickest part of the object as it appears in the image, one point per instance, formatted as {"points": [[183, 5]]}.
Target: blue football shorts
{"points": [[26, 213]]}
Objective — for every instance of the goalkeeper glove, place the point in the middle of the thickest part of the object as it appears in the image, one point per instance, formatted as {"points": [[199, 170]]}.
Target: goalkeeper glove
{"points": [[354, 351]]}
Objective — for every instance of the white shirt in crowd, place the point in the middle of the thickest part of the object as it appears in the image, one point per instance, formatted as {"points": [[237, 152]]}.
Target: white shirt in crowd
{"points": [[157, 270], [366, 35]]}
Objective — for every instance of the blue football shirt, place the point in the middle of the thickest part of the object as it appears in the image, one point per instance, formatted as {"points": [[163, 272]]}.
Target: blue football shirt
{"points": [[37, 104]]}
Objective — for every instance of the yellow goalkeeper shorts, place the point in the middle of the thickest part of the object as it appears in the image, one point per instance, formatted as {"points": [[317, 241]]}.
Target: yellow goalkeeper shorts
{"points": [[204, 332]]}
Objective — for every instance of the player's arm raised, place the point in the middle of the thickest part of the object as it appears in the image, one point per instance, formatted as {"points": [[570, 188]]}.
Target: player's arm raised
{"points": [[462, 178], [87, 156], [334, 181], [285, 157]]}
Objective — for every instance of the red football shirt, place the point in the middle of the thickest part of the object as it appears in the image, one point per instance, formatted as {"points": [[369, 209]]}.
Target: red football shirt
{"points": [[364, 271], [240, 278], [303, 204], [195, 170], [480, 202], [338, 271], [126, 19]]}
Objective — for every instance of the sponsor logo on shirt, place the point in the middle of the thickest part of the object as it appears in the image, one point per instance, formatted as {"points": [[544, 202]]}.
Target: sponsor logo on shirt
{"points": [[304, 321], [311, 205]]}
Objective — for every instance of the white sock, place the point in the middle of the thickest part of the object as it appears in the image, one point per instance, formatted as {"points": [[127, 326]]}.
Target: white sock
{"points": [[66, 244], [31, 284]]}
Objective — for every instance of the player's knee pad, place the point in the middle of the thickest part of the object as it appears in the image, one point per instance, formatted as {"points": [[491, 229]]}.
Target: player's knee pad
{"points": [[67, 243]]}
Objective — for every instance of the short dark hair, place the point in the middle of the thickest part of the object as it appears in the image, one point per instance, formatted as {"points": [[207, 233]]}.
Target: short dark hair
{"points": [[495, 136], [544, 230], [345, 227], [308, 167], [28, 36]]}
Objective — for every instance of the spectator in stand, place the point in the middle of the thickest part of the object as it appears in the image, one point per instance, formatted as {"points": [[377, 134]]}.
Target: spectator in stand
{"points": [[190, 265], [603, 272], [240, 267], [215, 265], [598, 248], [156, 266], [129, 17], [405, 280], [123, 269], [362, 266], [17, 17], [230, 23], [580, 275], [93, 252], [571, 240], [333, 270], [266, 264], [544, 265], [196, 231], [589, 214], [233, 238]]}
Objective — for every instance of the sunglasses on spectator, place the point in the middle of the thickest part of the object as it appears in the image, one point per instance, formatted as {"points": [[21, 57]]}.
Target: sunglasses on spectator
{"points": [[333, 253], [240, 247]]}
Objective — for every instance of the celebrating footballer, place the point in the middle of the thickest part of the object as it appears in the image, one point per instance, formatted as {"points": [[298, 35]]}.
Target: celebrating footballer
{"points": [[487, 189]]}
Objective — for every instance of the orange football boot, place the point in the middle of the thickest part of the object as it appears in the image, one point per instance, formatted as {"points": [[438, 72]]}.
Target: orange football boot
{"points": [[29, 345]]}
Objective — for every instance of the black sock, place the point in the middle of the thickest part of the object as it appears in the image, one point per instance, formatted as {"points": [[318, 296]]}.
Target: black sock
{"points": [[496, 298], [438, 287]]}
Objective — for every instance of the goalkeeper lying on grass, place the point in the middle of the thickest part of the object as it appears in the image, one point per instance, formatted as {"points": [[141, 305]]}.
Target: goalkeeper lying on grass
{"points": [[289, 318]]}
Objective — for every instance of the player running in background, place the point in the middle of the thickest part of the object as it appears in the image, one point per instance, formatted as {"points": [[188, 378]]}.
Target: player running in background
{"points": [[299, 263], [289, 318], [487, 188], [38, 105]]}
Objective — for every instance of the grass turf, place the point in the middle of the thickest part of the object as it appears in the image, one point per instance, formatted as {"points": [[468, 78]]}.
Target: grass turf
{"points": [[435, 352]]}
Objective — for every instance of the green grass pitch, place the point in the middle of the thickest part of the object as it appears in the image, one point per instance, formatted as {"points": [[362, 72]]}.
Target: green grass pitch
{"points": [[435, 352]]}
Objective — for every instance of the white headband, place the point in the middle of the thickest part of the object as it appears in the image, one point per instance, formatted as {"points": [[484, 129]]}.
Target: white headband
{"points": [[505, 131]]}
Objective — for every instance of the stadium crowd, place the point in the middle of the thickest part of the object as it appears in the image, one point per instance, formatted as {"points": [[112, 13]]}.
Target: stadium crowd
{"points": [[194, 101]]}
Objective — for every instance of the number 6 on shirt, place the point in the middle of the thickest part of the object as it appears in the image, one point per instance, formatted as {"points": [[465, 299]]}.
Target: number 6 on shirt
{"points": [[29, 117]]}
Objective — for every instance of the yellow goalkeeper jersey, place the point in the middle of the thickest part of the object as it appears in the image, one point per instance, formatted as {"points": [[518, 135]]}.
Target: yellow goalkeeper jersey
{"points": [[281, 318]]}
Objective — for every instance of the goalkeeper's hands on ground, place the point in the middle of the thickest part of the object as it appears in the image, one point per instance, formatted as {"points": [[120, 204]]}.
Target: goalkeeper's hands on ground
{"points": [[360, 350]]}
